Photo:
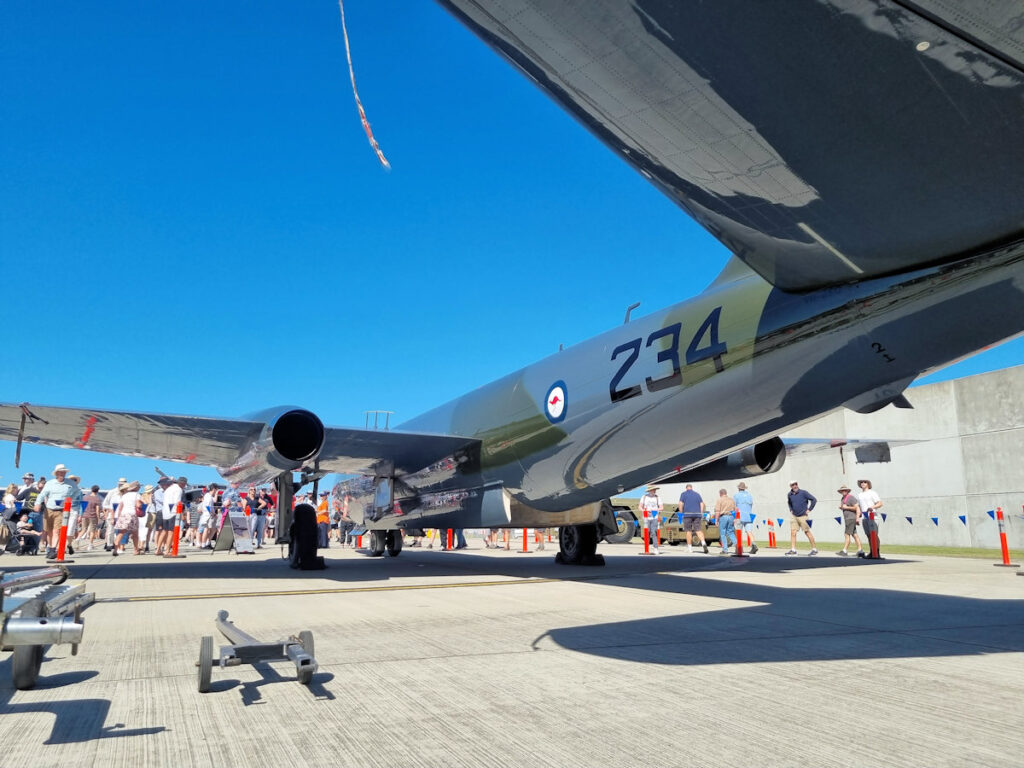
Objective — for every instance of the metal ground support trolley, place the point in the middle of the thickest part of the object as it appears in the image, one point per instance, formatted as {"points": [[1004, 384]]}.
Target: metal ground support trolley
{"points": [[246, 649], [38, 609]]}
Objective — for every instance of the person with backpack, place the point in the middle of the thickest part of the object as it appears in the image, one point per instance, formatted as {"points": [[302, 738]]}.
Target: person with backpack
{"points": [[850, 507]]}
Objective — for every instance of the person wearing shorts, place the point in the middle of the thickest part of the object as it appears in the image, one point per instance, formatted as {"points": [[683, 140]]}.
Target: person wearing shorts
{"points": [[800, 504], [850, 508], [691, 507], [745, 525]]}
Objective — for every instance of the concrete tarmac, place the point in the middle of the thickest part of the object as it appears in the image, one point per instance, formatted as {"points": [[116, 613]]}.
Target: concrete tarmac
{"points": [[494, 658]]}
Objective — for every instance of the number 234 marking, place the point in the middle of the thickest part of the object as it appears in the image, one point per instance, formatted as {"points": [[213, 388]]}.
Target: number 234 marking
{"points": [[714, 349]]}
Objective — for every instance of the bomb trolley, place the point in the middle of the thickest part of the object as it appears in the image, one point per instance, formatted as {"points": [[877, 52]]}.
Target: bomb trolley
{"points": [[246, 649], [38, 609]]}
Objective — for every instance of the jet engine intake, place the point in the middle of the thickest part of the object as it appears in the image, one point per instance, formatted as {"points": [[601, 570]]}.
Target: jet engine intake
{"points": [[759, 459], [289, 439]]}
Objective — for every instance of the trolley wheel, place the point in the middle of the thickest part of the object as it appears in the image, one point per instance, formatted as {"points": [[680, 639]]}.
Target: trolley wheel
{"points": [[306, 641], [27, 659], [205, 662], [305, 675]]}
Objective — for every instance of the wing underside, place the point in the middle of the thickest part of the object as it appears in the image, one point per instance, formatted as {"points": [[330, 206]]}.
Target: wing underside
{"points": [[822, 141], [238, 448]]}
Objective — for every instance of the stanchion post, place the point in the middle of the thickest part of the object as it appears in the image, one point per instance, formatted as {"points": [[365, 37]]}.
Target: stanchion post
{"points": [[873, 538], [739, 535], [177, 531], [525, 548], [359, 541], [1002, 541], [450, 540], [647, 537], [771, 535], [62, 540]]}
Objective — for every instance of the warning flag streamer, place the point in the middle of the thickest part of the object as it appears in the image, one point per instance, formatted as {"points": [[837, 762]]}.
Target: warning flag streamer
{"points": [[355, 92]]}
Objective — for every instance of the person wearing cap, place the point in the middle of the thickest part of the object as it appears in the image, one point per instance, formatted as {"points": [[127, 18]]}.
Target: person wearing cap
{"points": [[745, 504], [110, 502], [725, 519], [27, 481], [126, 521], [850, 508], [154, 514], [51, 503], [650, 509], [691, 506], [800, 503]]}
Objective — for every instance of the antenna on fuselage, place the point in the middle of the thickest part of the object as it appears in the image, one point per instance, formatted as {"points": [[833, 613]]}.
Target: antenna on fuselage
{"points": [[629, 311], [379, 416]]}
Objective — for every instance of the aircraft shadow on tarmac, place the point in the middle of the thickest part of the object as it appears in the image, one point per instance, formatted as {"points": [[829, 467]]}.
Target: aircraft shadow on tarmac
{"points": [[801, 624], [75, 721]]}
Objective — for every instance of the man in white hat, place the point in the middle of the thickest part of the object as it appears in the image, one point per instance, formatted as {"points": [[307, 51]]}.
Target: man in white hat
{"points": [[110, 502], [51, 503], [650, 510]]}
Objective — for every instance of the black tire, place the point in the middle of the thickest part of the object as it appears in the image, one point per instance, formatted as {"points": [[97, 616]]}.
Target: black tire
{"points": [[305, 675], [27, 659], [378, 543], [627, 528], [306, 641], [205, 662], [393, 542], [577, 542]]}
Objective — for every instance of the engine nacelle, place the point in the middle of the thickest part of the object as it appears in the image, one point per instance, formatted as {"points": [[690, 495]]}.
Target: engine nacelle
{"points": [[290, 437], [759, 459]]}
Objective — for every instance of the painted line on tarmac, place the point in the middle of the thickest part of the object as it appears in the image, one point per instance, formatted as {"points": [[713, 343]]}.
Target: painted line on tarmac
{"points": [[326, 591]]}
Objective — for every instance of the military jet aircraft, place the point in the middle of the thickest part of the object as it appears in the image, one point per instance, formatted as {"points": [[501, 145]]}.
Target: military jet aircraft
{"points": [[862, 160]]}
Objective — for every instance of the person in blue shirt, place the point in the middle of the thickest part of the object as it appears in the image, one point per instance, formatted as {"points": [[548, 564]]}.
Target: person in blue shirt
{"points": [[745, 504], [692, 508], [800, 504]]}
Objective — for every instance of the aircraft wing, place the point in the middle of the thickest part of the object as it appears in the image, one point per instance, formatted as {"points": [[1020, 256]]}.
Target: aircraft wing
{"points": [[250, 449], [822, 141]]}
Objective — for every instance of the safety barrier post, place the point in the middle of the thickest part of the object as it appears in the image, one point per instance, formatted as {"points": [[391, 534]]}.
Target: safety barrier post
{"points": [[771, 535], [739, 535], [177, 531], [549, 535], [62, 541], [525, 548], [359, 541], [873, 538], [1002, 541], [647, 537]]}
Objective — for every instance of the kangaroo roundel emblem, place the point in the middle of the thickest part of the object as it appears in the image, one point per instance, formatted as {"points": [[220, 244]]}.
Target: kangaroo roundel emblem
{"points": [[556, 402]]}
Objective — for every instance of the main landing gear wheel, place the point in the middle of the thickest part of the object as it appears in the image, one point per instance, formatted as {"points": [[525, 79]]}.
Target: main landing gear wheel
{"points": [[205, 663], [579, 545], [306, 641], [27, 659], [393, 542], [378, 542]]}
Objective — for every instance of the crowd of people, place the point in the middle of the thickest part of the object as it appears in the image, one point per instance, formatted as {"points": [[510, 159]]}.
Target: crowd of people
{"points": [[144, 516], [733, 514]]}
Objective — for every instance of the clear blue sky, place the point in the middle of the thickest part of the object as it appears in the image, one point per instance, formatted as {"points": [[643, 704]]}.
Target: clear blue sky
{"points": [[191, 218]]}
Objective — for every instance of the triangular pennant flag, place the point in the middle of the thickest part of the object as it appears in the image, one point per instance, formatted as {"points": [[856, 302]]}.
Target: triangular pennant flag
{"points": [[839, 519], [780, 522], [963, 519], [753, 517], [680, 516], [910, 520], [883, 517], [992, 514], [935, 520], [810, 523], [84, 505]]}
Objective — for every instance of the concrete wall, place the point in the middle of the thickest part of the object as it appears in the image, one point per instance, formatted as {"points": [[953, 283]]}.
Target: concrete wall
{"points": [[968, 459]]}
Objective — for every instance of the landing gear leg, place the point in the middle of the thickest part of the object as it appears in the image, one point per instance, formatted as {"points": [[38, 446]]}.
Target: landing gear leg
{"points": [[285, 495], [578, 545], [393, 542]]}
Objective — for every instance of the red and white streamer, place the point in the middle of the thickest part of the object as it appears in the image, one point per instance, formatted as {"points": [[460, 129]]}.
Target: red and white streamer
{"points": [[355, 92]]}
